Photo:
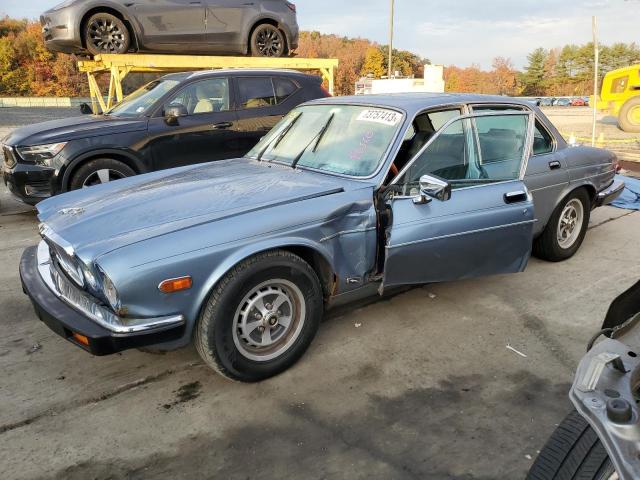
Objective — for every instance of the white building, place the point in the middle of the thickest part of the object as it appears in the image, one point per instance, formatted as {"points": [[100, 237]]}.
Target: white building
{"points": [[432, 82]]}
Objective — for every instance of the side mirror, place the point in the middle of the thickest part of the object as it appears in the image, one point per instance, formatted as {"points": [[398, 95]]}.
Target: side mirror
{"points": [[85, 109], [432, 187], [173, 112]]}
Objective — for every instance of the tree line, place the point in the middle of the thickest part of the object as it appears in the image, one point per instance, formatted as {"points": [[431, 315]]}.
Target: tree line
{"points": [[28, 68]]}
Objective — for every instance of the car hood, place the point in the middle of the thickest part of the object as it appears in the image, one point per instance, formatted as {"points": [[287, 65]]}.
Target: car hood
{"points": [[67, 129], [103, 218]]}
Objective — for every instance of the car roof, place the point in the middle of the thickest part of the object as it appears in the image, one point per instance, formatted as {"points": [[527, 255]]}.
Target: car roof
{"points": [[236, 72], [414, 102]]}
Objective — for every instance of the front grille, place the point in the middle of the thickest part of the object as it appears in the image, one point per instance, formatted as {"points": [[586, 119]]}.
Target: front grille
{"points": [[9, 156]]}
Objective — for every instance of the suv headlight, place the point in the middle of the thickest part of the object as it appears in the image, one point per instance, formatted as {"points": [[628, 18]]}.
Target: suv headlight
{"points": [[41, 154], [110, 292], [88, 275]]}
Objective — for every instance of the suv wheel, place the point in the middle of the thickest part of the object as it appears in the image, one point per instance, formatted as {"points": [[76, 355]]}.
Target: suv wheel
{"points": [[267, 41], [566, 229], [261, 317], [106, 33], [98, 171]]}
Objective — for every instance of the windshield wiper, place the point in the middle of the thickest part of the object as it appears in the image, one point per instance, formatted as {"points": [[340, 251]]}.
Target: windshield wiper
{"points": [[276, 141], [317, 138]]}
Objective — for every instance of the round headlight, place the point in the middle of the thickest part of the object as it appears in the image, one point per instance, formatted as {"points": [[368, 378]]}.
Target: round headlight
{"points": [[110, 292], [89, 277]]}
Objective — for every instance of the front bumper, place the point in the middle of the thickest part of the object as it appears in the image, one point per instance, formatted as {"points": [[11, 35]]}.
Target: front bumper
{"points": [[610, 193], [30, 183], [60, 30], [66, 311]]}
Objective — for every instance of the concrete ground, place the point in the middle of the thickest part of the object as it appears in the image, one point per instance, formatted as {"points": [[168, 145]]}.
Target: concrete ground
{"points": [[416, 385]]}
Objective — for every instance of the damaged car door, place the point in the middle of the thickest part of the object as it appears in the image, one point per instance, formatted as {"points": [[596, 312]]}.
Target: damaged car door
{"points": [[459, 208]]}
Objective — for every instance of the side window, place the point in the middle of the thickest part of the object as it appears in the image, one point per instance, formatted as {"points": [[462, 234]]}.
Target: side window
{"points": [[284, 88], [204, 96], [542, 140], [255, 92], [438, 119], [454, 154], [619, 85]]}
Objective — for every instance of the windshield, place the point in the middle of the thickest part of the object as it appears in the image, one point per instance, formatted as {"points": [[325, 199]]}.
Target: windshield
{"points": [[142, 99], [345, 139]]}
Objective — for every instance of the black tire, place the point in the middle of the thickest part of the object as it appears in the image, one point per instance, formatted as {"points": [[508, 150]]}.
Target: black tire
{"points": [[268, 41], [92, 172], [547, 245], [217, 332], [629, 116], [573, 452], [106, 33]]}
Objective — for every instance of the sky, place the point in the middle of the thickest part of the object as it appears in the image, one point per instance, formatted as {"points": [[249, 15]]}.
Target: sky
{"points": [[460, 32]]}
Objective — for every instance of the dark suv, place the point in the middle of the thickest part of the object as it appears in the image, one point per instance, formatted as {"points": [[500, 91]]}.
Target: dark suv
{"points": [[177, 120]]}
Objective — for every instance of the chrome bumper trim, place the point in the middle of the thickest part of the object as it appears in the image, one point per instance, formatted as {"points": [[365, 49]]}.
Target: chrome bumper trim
{"points": [[85, 304], [610, 193]]}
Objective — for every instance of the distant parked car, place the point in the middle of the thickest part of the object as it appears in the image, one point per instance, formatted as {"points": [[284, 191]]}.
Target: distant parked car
{"points": [[563, 102], [578, 102], [546, 102], [179, 119], [267, 28], [344, 198]]}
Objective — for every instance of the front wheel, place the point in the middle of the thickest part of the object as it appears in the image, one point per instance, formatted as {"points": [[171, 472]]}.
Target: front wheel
{"points": [[106, 33], [573, 452], [629, 117], [261, 317], [98, 171], [566, 229]]}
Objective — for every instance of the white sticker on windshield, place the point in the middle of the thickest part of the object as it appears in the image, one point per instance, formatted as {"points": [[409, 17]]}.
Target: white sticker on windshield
{"points": [[386, 117]]}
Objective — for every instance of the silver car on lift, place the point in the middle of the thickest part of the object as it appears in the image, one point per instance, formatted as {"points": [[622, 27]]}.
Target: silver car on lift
{"points": [[266, 28]]}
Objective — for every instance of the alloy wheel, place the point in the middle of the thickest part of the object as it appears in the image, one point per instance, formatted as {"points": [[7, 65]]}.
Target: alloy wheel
{"points": [[270, 42], [103, 175], [106, 36], [269, 319], [570, 223]]}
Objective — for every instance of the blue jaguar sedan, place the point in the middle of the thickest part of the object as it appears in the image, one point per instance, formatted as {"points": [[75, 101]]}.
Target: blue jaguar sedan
{"points": [[344, 198]]}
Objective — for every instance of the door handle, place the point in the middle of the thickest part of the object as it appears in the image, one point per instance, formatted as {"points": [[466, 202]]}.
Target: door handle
{"points": [[222, 125], [515, 197], [554, 165]]}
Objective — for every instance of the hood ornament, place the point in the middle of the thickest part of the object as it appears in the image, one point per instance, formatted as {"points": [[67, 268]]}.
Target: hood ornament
{"points": [[71, 211]]}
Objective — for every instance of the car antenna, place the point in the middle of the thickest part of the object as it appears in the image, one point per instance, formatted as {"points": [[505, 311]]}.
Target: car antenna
{"points": [[276, 141], [317, 139]]}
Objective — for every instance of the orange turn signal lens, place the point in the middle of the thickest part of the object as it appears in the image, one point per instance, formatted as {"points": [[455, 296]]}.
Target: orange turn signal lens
{"points": [[80, 338], [175, 284]]}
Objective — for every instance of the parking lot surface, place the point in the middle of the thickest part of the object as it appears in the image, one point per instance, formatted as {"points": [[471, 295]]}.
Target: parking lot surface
{"points": [[419, 384]]}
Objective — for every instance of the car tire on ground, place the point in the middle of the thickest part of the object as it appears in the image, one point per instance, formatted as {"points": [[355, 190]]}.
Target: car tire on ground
{"points": [[106, 33], [629, 117], [260, 317], [268, 41], [566, 229], [573, 452], [98, 171]]}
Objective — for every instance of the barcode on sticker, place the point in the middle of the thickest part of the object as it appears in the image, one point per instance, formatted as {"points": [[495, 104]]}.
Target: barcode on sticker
{"points": [[386, 117]]}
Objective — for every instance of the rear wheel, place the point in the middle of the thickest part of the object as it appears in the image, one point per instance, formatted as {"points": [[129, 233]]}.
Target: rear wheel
{"points": [[573, 452], [261, 317], [98, 171], [629, 117], [566, 229], [268, 41], [106, 33]]}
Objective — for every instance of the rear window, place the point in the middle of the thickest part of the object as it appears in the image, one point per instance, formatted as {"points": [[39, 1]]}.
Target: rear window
{"points": [[619, 85]]}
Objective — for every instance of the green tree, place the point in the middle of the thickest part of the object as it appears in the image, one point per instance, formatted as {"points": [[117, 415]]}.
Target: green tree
{"points": [[533, 77]]}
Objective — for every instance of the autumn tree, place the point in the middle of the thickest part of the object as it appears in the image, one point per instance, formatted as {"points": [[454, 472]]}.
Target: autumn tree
{"points": [[373, 63], [503, 76]]}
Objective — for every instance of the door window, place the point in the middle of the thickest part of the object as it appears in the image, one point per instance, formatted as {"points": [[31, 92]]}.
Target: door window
{"points": [[256, 92], [458, 155], [619, 85], [284, 88], [205, 96], [542, 140]]}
